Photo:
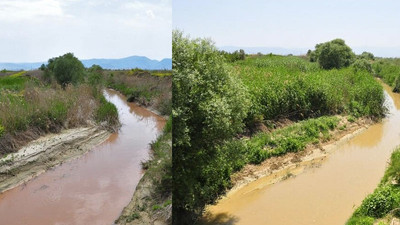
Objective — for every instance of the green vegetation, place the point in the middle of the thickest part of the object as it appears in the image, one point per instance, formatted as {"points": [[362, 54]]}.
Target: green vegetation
{"points": [[143, 87], [384, 202], [297, 89], [366, 56], [332, 54], [14, 82], [292, 138], [31, 106], [209, 106], [234, 56], [218, 100], [65, 69], [389, 71]]}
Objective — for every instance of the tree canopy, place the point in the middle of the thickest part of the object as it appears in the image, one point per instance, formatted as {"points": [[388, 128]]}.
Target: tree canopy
{"points": [[333, 54], [66, 69], [209, 105]]}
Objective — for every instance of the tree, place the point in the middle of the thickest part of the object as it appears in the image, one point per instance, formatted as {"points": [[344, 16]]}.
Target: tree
{"points": [[66, 69], [367, 56], [333, 54], [209, 105], [362, 64]]}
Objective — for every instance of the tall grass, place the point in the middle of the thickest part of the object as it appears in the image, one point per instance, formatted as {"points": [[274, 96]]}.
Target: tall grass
{"points": [[290, 87], [29, 109]]}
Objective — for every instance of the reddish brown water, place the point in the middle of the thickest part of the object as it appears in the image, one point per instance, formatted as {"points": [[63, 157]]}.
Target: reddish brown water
{"points": [[94, 188], [327, 194]]}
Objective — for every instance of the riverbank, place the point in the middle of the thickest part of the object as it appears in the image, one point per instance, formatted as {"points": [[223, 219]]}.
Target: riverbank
{"points": [[152, 200], [276, 169], [48, 151], [293, 163]]}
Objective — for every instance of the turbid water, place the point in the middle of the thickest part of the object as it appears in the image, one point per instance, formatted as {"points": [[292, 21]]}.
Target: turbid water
{"points": [[94, 188], [324, 194]]}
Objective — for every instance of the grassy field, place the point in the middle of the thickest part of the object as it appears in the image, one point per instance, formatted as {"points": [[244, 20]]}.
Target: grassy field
{"points": [[30, 108], [383, 204], [291, 87]]}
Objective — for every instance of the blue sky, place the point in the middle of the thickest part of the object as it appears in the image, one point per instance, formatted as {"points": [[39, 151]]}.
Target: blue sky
{"points": [[36, 30], [373, 25]]}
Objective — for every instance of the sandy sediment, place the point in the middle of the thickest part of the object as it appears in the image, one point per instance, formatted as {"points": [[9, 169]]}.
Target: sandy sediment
{"points": [[46, 152]]}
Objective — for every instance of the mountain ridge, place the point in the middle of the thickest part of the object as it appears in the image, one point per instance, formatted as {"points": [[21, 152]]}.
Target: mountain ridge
{"points": [[130, 62]]}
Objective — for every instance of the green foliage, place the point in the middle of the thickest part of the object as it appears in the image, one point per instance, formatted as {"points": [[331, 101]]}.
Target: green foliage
{"points": [[234, 56], [378, 203], [132, 217], [1, 130], [362, 220], [292, 138], [333, 54], [209, 105], [14, 82], [362, 64], [386, 197], [290, 87], [66, 69], [367, 56], [389, 71], [393, 171], [107, 112]]}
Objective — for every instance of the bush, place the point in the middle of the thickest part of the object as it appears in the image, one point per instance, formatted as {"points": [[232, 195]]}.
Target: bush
{"points": [[334, 54], [107, 112], [209, 105], [378, 203], [362, 64], [367, 56], [66, 69]]}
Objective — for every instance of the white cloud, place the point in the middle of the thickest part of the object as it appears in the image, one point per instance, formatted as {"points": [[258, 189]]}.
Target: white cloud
{"points": [[25, 10], [41, 29], [150, 14]]}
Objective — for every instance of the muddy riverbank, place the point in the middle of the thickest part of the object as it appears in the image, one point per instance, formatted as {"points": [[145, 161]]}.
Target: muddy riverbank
{"points": [[47, 152], [318, 191]]}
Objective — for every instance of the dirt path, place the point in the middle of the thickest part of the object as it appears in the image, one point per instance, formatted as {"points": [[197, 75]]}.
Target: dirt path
{"points": [[47, 152]]}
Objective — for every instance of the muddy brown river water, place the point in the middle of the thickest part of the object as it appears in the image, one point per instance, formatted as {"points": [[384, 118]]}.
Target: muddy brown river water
{"points": [[324, 194], [94, 188]]}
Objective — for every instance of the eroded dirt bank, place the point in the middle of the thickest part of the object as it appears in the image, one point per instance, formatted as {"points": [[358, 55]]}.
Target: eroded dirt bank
{"points": [[314, 188], [94, 188], [140, 200], [47, 152]]}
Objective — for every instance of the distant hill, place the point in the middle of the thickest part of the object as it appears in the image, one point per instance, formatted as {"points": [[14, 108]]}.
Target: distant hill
{"points": [[131, 62]]}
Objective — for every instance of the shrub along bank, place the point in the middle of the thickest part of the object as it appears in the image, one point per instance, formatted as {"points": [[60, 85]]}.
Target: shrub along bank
{"points": [[384, 203]]}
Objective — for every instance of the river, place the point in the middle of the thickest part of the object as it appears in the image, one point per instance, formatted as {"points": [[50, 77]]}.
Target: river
{"points": [[94, 188], [325, 194]]}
